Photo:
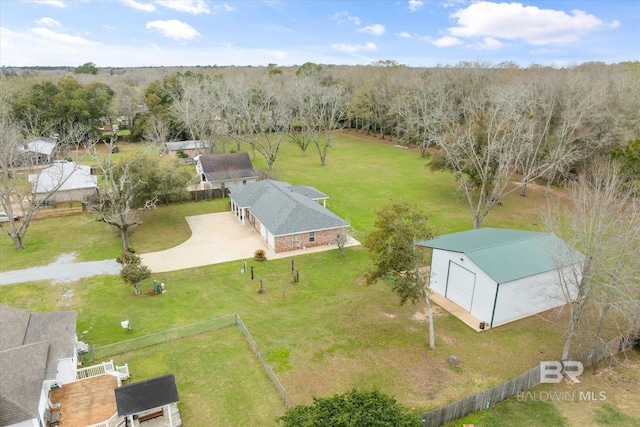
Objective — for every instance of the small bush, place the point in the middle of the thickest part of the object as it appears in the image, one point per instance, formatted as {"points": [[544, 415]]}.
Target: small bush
{"points": [[260, 255]]}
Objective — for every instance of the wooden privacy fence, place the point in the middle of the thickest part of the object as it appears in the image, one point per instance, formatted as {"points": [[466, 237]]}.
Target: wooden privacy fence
{"points": [[526, 381]]}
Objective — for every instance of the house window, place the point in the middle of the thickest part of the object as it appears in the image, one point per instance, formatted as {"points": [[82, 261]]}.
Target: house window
{"points": [[312, 237]]}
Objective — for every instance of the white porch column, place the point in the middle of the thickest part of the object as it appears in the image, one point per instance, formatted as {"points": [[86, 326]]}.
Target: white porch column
{"points": [[168, 409], [242, 214]]}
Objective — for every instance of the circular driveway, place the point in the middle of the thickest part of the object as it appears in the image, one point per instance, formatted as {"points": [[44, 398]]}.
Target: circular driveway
{"points": [[215, 238]]}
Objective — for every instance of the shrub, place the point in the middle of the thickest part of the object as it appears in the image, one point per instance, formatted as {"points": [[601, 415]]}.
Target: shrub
{"points": [[260, 255]]}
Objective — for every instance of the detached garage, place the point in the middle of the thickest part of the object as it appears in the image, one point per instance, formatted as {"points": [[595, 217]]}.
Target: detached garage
{"points": [[501, 275]]}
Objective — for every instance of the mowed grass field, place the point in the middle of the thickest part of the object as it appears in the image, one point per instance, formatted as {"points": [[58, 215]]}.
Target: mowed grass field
{"points": [[324, 335]]}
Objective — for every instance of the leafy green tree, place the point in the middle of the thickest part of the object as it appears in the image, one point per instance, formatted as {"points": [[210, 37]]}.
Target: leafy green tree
{"points": [[163, 179], [395, 256], [48, 108], [133, 272], [352, 409], [629, 158], [86, 68]]}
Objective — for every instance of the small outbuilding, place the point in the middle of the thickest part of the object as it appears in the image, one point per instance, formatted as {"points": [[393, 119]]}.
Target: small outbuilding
{"points": [[501, 275], [150, 399], [185, 149]]}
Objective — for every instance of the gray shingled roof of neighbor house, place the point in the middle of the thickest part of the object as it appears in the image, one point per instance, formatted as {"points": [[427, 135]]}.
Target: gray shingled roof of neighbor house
{"points": [[284, 210], [219, 167], [507, 255]]}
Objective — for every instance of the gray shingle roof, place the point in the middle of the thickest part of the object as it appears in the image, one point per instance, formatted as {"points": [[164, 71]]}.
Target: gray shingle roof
{"points": [[220, 167], [507, 255], [283, 209], [21, 377], [141, 396], [30, 346]]}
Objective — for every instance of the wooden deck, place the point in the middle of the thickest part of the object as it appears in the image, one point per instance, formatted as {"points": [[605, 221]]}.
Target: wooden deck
{"points": [[87, 401], [457, 311]]}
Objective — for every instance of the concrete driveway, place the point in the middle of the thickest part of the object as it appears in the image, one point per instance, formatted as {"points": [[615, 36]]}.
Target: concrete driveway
{"points": [[215, 238]]}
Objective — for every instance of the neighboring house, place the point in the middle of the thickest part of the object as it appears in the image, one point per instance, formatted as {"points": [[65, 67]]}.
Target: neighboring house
{"points": [[41, 384], [38, 151], [37, 350], [188, 149], [501, 275], [225, 170], [150, 399], [77, 183], [287, 217]]}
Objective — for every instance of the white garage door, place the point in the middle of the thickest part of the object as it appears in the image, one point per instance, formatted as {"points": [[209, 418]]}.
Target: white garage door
{"points": [[460, 285]]}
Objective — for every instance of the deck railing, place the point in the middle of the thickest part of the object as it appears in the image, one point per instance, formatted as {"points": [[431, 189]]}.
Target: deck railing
{"points": [[103, 368], [114, 421]]}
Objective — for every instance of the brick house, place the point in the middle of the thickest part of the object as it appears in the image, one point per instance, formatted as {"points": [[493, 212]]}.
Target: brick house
{"points": [[287, 217]]}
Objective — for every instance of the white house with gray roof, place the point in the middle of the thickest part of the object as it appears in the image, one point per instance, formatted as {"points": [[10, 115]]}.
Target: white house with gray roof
{"points": [[287, 217], [64, 182], [501, 275]]}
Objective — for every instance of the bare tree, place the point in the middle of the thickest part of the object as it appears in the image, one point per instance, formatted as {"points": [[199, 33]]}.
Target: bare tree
{"points": [[330, 113], [157, 131], [602, 222], [197, 107], [482, 144], [579, 123], [342, 238], [263, 120], [116, 203]]}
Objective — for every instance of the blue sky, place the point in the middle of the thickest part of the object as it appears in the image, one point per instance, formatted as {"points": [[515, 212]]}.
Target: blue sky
{"points": [[252, 32]]}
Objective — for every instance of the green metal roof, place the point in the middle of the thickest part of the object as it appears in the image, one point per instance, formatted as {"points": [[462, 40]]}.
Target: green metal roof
{"points": [[507, 255]]}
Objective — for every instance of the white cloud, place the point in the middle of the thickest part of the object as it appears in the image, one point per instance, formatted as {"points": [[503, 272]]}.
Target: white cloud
{"points": [[446, 41], [145, 7], [353, 48], [513, 21], [55, 3], [174, 29], [48, 22], [403, 35], [415, 5], [489, 43], [342, 17], [376, 29], [225, 7], [58, 37], [194, 7]]}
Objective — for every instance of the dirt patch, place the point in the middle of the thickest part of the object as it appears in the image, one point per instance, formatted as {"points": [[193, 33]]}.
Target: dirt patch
{"points": [[389, 315], [423, 315]]}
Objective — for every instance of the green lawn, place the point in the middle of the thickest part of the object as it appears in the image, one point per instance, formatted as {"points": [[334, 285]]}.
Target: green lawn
{"points": [[324, 335]]}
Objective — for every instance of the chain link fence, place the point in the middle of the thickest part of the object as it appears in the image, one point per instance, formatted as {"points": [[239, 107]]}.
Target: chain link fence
{"points": [[106, 351]]}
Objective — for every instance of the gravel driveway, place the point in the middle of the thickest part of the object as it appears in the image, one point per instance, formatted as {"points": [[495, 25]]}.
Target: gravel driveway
{"points": [[64, 269]]}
